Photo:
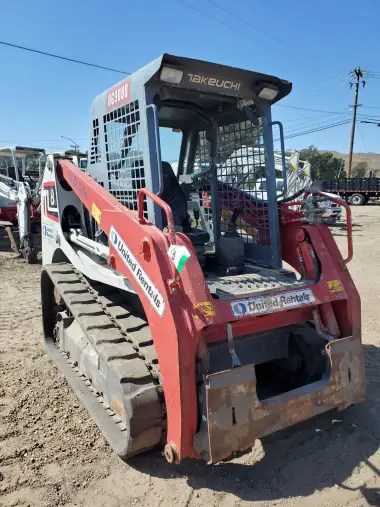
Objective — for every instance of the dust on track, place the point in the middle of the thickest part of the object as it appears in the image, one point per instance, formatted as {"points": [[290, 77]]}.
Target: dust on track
{"points": [[52, 454]]}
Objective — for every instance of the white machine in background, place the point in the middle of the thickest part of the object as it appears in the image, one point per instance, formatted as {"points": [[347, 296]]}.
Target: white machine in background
{"points": [[21, 172], [298, 176], [78, 158]]}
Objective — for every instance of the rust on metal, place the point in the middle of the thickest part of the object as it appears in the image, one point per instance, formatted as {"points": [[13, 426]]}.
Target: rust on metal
{"points": [[236, 416], [57, 297], [171, 453], [117, 407]]}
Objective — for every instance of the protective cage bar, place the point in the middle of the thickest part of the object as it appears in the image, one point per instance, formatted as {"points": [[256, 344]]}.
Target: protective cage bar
{"points": [[124, 152], [243, 174]]}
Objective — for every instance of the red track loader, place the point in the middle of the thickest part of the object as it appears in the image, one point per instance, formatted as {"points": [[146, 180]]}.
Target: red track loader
{"points": [[166, 303]]}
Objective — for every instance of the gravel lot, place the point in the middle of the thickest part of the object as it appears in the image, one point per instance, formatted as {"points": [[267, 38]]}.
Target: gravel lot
{"points": [[52, 454]]}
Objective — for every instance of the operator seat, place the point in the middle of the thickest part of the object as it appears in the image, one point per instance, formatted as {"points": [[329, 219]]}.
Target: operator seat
{"points": [[175, 197]]}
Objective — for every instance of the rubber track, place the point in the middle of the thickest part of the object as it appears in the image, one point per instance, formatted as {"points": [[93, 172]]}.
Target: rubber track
{"points": [[125, 345]]}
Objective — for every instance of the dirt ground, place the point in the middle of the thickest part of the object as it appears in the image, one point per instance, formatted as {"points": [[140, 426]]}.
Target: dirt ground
{"points": [[52, 454]]}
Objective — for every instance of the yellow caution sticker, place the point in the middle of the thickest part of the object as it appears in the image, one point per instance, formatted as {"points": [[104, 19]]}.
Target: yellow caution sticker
{"points": [[206, 308], [96, 213], [335, 286]]}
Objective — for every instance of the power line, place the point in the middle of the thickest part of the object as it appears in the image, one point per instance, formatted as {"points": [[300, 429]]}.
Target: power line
{"points": [[362, 138], [255, 27], [244, 34], [319, 129], [322, 111], [324, 86], [311, 125], [372, 122], [43, 141], [308, 117], [311, 131], [222, 23], [308, 109], [62, 57]]}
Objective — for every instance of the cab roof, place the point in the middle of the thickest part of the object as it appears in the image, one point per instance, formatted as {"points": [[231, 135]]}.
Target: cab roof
{"points": [[21, 150]]}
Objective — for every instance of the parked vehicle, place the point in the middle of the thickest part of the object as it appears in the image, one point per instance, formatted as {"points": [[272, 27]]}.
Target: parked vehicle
{"points": [[20, 184], [355, 191]]}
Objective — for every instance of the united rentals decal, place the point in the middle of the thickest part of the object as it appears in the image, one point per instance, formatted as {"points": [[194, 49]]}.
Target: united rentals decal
{"points": [[269, 304], [150, 290], [50, 202], [48, 232], [119, 95]]}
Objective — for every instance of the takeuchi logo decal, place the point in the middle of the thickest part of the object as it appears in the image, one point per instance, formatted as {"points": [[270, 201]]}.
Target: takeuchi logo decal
{"points": [[150, 290], [214, 82]]}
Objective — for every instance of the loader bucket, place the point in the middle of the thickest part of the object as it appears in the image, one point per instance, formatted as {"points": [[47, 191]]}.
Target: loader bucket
{"points": [[31, 254], [236, 416]]}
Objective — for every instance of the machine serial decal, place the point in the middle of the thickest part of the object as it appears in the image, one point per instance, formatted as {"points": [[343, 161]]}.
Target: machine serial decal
{"points": [[48, 232], [150, 290], [269, 304], [119, 95], [50, 201]]}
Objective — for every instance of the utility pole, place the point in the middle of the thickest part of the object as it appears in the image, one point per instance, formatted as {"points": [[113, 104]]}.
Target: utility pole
{"points": [[357, 75]]}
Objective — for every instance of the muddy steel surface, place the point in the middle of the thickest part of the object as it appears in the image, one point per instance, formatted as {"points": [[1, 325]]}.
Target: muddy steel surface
{"points": [[51, 453]]}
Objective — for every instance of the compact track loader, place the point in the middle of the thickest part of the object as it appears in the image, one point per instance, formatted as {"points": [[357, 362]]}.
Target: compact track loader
{"points": [[21, 172], [165, 299]]}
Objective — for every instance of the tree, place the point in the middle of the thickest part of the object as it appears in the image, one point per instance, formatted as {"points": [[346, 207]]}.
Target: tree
{"points": [[360, 170], [324, 166]]}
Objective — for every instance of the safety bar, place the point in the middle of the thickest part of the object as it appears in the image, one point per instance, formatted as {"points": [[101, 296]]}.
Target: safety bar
{"points": [[340, 202], [163, 205], [153, 107], [284, 175]]}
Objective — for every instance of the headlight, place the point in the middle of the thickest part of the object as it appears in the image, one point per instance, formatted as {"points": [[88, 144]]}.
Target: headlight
{"points": [[268, 92], [171, 75]]}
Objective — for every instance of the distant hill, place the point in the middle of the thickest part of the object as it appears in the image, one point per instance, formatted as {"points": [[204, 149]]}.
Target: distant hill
{"points": [[373, 159]]}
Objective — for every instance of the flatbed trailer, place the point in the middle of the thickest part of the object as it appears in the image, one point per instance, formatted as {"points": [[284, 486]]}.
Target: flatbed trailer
{"points": [[356, 191]]}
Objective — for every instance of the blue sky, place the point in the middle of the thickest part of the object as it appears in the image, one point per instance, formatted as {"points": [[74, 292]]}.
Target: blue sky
{"points": [[43, 98]]}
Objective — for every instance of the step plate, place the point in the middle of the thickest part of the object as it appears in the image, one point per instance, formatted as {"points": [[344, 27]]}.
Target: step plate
{"points": [[265, 282]]}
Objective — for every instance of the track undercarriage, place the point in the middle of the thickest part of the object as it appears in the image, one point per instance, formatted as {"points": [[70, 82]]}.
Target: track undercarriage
{"points": [[108, 349]]}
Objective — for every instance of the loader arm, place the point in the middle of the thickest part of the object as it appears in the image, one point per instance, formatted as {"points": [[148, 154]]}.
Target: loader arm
{"points": [[149, 247]]}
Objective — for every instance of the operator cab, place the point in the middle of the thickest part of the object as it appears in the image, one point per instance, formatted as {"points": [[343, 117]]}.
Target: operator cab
{"points": [[226, 157], [20, 163]]}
